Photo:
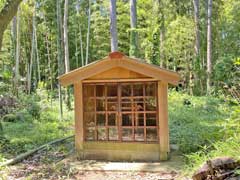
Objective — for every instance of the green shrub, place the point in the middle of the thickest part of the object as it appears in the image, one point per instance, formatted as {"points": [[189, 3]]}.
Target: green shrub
{"points": [[34, 109], [195, 121], [228, 145]]}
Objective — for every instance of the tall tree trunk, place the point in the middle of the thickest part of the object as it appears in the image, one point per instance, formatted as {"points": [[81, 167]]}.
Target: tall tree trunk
{"points": [[60, 55], [65, 30], [49, 65], [209, 45], [35, 43], [133, 21], [80, 34], [16, 79], [162, 38], [81, 45], [76, 49], [7, 13], [37, 55], [197, 31], [66, 54], [32, 57], [88, 31], [196, 62], [13, 49], [113, 26], [162, 32]]}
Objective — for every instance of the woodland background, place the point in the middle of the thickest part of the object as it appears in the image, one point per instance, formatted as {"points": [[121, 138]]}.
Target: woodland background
{"points": [[199, 39]]}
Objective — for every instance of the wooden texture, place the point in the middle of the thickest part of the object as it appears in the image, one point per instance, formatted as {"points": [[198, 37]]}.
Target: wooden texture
{"points": [[126, 63], [78, 109], [118, 73], [137, 108], [120, 151], [163, 119], [117, 80]]}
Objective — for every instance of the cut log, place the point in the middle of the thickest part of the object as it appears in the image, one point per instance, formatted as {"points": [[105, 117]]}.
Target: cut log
{"points": [[23, 156], [211, 166]]}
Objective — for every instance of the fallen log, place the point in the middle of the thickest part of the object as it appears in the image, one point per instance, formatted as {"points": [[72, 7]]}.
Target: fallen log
{"points": [[212, 167], [23, 156]]}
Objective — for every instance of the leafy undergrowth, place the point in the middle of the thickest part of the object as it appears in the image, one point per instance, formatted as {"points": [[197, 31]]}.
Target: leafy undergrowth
{"points": [[34, 122], [196, 121], [204, 128], [227, 146]]}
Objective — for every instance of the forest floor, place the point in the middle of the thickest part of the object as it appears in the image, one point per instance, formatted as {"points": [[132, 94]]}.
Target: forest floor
{"points": [[59, 162]]}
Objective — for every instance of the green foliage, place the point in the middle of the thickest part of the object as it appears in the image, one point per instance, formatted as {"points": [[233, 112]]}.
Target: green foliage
{"points": [[31, 104], [196, 124], [179, 43], [227, 145], [26, 130]]}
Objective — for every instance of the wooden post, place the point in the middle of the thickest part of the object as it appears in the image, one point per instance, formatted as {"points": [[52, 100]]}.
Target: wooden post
{"points": [[78, 109], [163, 119]]}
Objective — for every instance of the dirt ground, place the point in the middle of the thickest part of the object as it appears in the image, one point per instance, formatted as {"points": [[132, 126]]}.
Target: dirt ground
{"points": [[59, 164]]}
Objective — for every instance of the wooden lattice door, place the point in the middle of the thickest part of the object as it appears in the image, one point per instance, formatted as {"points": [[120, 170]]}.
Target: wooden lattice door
{"points": [[121, 112]]}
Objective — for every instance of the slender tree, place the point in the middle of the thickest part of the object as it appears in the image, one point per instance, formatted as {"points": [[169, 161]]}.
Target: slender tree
{"points": [[113, 26], [34, 49], [17, 53], [88, 31], [80, 33], [76, 48], [66, 49], [133, 21], [196, 62], [209, 45], [50, 74], [81, 44], [32, 57], [65, 32], [35, 42], [59, 55], [13, 40], [197, 31], [162, 31]]}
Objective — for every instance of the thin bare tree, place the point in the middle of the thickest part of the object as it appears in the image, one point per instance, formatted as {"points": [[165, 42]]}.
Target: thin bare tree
{"points": [[65, 33], [18, 35], [88, 31], [197, 31], [113, 26], [209, 45], [66, 50], [60, 55], [133, 21]]}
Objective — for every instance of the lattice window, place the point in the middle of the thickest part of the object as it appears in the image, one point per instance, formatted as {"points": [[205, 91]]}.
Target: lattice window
{"points": [[121, 112]]}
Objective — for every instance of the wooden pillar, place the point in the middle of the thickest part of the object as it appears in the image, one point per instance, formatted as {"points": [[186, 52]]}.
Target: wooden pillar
{"points": [[163, 119], [78, 109]]}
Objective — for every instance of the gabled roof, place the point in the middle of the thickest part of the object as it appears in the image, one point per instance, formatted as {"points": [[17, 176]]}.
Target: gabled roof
{"points": [[118, 59]]}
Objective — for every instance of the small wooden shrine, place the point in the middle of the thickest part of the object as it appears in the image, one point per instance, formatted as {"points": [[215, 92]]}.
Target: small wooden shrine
{"points": [[121, 109]]}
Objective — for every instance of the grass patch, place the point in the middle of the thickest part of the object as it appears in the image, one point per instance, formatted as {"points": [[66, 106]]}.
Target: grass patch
{"points": [[228, 145], [41, 126], [195, 121]]}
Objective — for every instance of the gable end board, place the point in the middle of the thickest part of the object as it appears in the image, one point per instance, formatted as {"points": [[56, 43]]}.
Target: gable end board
{"points": [[124, 62]]}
